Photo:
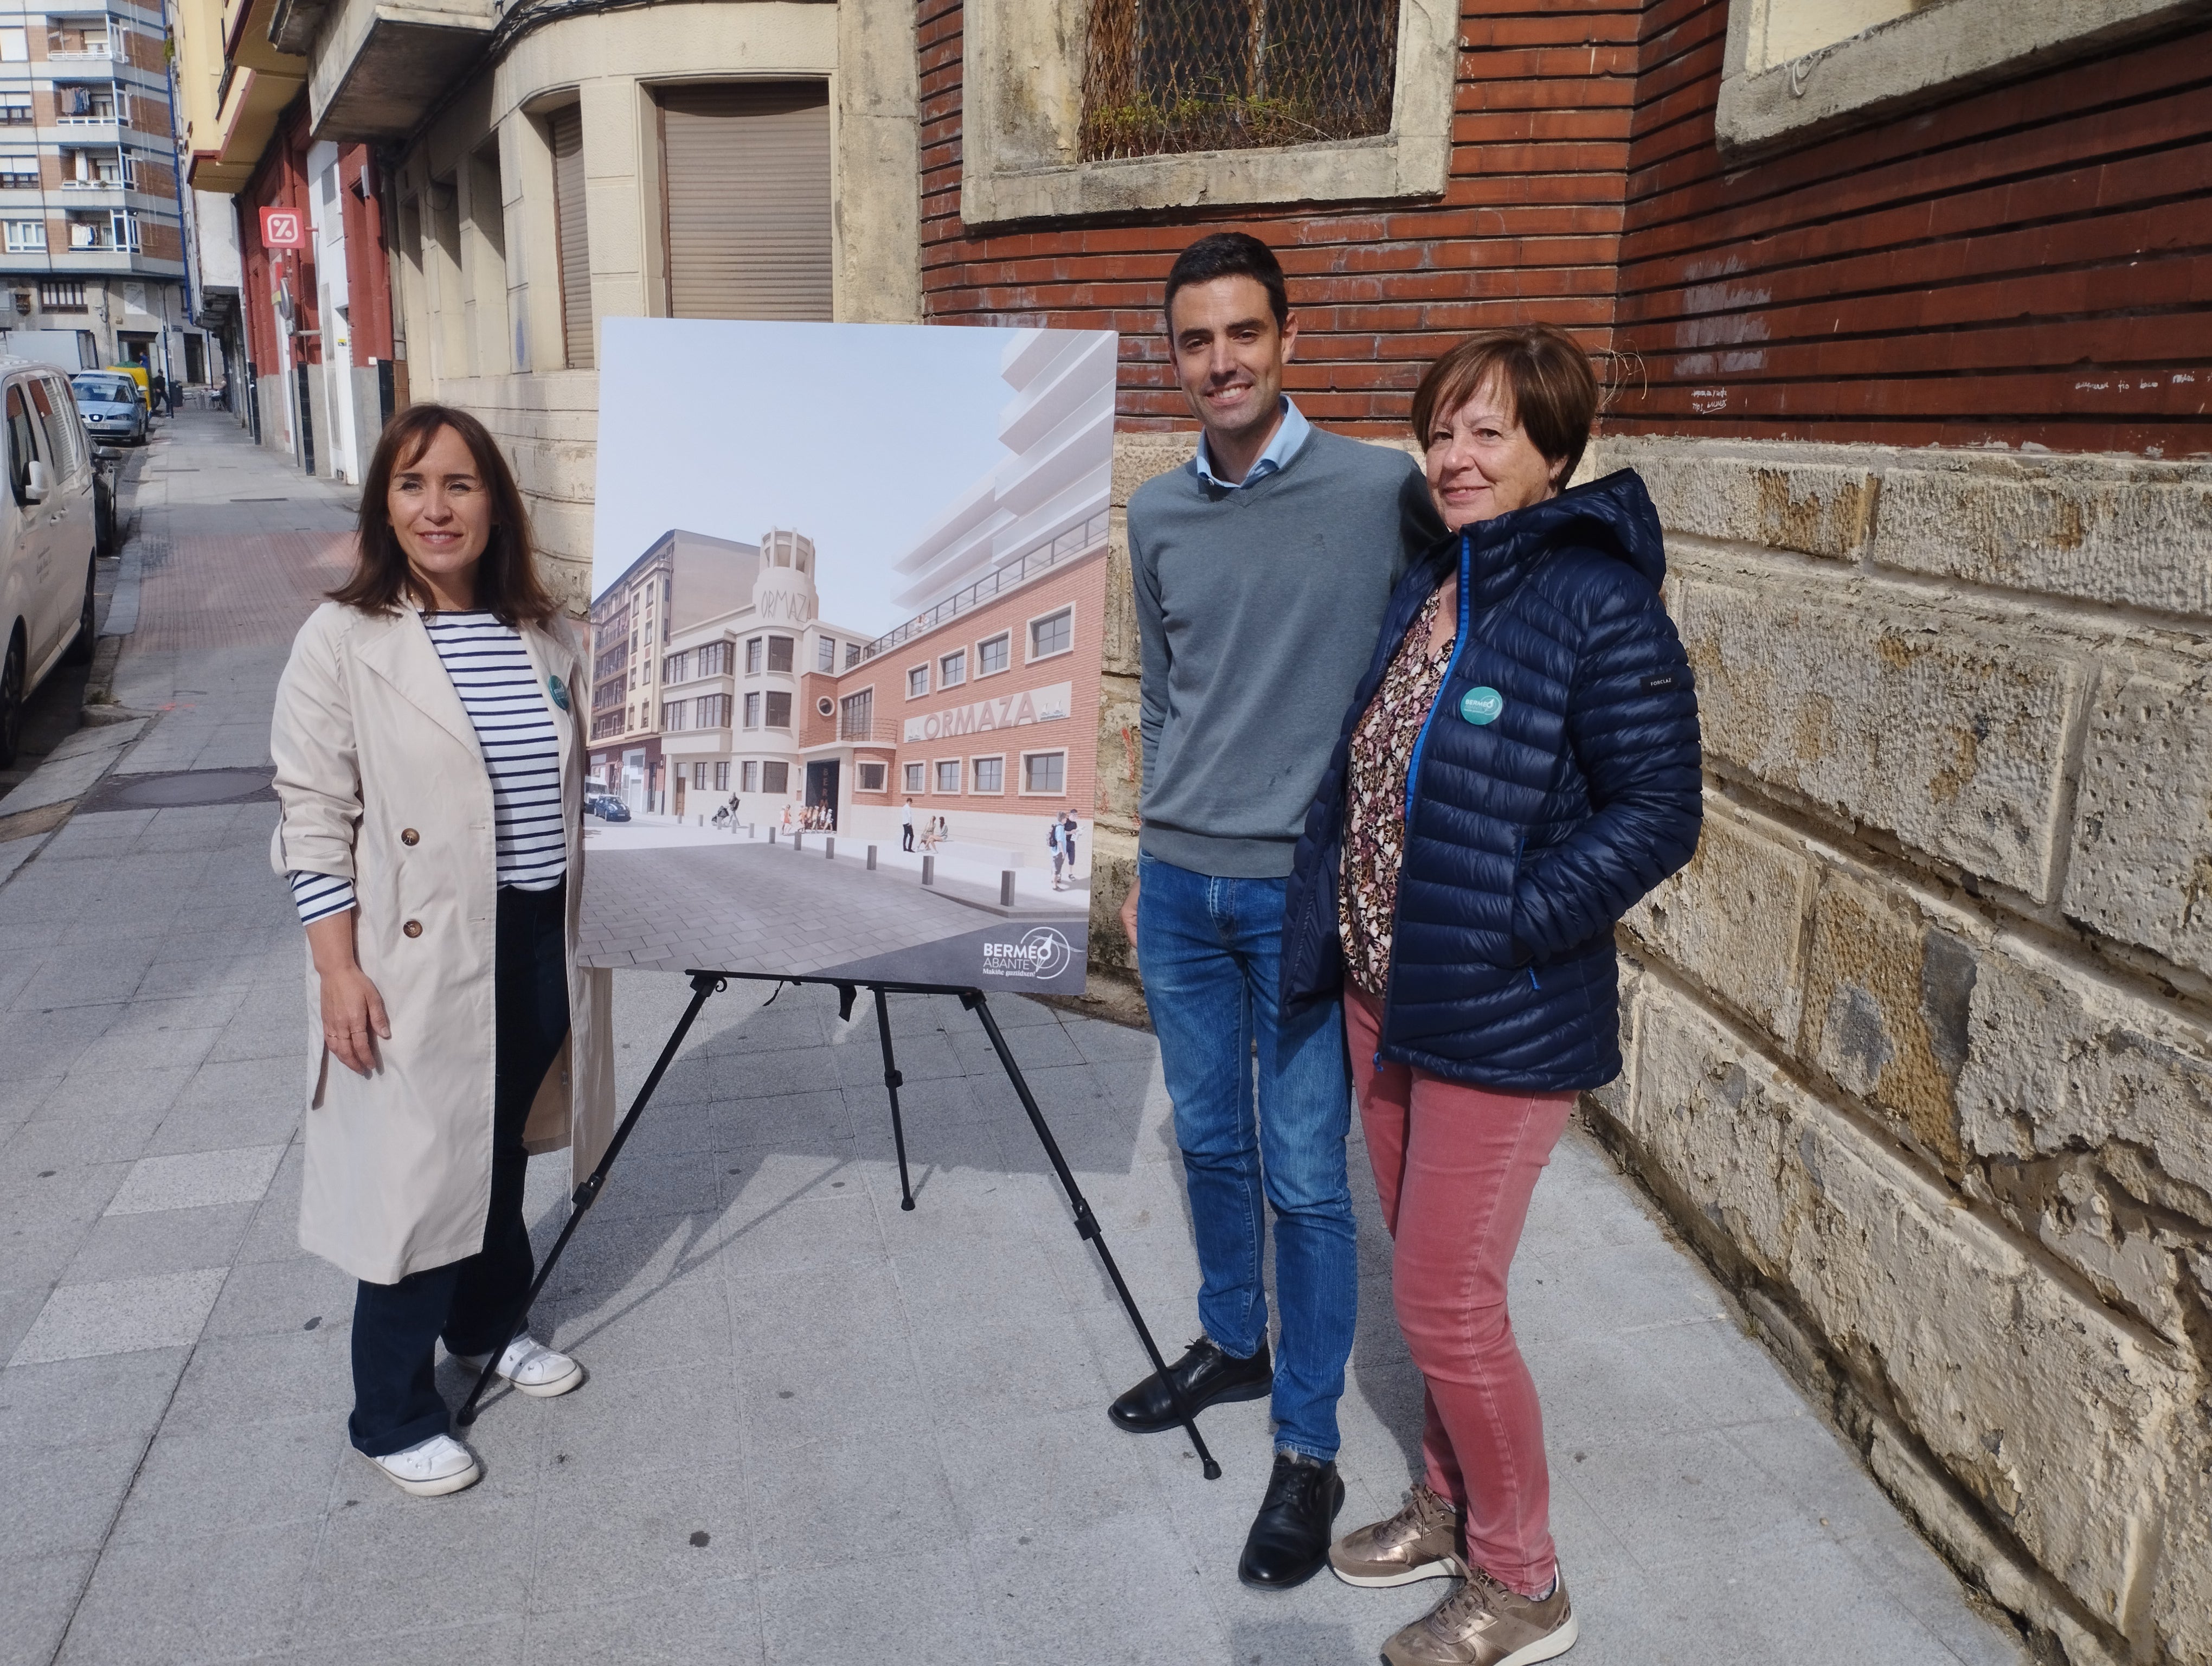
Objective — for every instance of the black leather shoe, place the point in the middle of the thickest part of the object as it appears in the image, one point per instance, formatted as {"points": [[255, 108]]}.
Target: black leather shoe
{"points": [[1206, 1375], [1289, 1541]]}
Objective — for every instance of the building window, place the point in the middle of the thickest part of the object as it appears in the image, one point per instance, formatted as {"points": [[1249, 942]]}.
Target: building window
{"points": [[1052, 634], [990, 774], [671, 714], [1044, 772], [775, 777], [18, 173], [851, 655], [917, 682], [871, 776], [712, 711], [752, 711], [778, 654], [856, 719], [715, 659], [778, 711], [825, 654], [948, 775], [60, 298], [15, 46], [952, 669], [699, 776], [15, 110], [746, 200], [993, 654], [672, 668], [914, 782], [26, 235], [722, 776], [564, 137], [1163, 76], [753, 656], [751, 775]]}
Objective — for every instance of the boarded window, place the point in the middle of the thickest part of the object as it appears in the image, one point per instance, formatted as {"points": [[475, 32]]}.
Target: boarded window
{"points": [[746, 200], [565, 130]]}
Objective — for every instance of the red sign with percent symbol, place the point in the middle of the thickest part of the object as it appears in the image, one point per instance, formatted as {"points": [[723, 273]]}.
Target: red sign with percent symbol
{"points": [[283, 229]]}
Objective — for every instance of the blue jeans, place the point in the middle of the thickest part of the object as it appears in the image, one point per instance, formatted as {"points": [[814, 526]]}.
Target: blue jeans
{"points": [[1208, 950]]}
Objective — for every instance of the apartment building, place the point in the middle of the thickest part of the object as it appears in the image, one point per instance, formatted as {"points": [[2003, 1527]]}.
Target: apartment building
{"points": [[91, 232]]}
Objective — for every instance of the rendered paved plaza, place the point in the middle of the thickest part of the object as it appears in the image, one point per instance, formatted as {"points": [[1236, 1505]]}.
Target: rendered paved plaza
{"points": [[817, 1428]]}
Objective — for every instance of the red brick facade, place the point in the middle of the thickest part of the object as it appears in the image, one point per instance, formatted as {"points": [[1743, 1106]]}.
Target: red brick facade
{"points": [[2020, 265]]}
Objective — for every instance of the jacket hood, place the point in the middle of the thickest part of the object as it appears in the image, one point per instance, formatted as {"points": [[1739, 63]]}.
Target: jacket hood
{"points": [[1614, 515]]}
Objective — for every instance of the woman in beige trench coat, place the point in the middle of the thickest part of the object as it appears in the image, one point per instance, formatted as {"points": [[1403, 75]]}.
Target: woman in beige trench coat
{"points": [[429, 744]]}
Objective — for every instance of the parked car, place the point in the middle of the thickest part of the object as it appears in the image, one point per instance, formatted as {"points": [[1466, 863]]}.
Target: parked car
{"points": [[113, 412], [46, 538], [608, 808]]}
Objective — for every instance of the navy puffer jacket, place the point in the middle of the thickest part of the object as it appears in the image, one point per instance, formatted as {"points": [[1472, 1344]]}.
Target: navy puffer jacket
{"points": [[1556, 782]]}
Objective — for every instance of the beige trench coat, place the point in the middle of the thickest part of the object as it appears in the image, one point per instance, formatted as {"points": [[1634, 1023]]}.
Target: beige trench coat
{"points": [[382, 781]]}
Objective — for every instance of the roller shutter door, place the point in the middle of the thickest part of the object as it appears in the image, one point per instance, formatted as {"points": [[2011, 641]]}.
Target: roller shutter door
{"points": [[565, 128], [746, 189]]}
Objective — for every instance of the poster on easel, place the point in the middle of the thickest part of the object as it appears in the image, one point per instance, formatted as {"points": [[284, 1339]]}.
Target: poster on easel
{"points": [[848, 589]]}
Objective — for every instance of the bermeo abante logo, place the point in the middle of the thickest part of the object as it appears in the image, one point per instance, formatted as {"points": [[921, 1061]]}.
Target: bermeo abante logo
{"points": [[1043, 954]]}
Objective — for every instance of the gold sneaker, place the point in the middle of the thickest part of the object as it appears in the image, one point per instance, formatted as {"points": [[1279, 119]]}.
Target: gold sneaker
{"points": [[1421, 1541], [1484, 1624]]}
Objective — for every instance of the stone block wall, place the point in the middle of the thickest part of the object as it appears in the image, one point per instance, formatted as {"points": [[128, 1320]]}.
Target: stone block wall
{"points": [[1919, 1046]]}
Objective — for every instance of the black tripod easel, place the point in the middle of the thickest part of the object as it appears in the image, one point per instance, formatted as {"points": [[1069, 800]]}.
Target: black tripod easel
{"points": [[706, 983]]}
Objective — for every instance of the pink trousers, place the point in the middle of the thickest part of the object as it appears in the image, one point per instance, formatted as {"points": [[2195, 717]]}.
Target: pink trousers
{"points": [[1456, 1167]]}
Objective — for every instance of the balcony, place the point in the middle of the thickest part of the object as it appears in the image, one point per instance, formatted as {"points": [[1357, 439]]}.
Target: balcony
{"points": [[259, 82], [377, 68]]}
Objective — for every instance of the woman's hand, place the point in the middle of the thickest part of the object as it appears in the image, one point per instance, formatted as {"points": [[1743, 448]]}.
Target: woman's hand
{"points": [[353, 1011]]}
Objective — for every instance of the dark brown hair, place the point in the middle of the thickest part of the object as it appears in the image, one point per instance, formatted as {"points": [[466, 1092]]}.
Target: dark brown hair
{"points": [[1230, 254], [507, 586], [1547, 378]]}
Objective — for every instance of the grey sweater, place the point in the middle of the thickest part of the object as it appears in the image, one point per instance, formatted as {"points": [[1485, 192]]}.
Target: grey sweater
{"points": [[1258, 606]]}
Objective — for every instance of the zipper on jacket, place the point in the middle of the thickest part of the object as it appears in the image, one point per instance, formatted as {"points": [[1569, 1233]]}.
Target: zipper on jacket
{"points": [[1520, 849], [1413, 781]]}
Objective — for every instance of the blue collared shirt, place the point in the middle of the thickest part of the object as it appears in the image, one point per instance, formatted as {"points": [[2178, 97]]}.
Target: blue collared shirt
{"points": [[1290, 435]]}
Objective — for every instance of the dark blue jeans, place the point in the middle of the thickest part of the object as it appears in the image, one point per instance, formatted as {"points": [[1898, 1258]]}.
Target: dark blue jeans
{"points": [[1271, 1126], [475, 1304]]}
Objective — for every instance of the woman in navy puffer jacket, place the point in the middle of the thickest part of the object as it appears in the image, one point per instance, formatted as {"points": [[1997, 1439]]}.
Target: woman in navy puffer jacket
{"points": [[1520, 764]]}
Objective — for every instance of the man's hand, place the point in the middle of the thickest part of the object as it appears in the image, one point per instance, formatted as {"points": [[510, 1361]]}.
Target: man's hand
{"points": [[1129, 914], [352, 1011]]}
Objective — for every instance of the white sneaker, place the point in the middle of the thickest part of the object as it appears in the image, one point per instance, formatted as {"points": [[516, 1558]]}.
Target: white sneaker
{"points": [[533, 1368], [428, 1469]]}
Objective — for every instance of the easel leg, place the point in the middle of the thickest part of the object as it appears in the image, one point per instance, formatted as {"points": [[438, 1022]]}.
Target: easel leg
{"points": [[703, 984], [892, 1079], [1086, 1224]]}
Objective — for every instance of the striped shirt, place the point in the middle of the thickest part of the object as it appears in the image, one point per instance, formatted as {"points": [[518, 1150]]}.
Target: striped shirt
{"points": [[499, 688]]}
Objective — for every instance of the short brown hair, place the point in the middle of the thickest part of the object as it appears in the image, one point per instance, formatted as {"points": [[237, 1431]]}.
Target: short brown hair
{"points": [[1547, 377], [508, 585]]}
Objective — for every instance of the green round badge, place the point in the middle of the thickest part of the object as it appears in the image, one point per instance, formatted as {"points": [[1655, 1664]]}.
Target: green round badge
{"points": [[1481, 705]]}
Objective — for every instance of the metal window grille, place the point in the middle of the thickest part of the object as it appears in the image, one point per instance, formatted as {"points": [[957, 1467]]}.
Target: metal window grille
{"points": [[1166, 76]]}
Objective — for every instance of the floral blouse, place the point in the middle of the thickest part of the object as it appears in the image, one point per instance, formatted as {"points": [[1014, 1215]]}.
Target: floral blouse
{"points": [[1375, 801]]}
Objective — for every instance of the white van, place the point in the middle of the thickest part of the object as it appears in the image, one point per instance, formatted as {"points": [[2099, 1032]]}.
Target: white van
{"points": [[46, 539]]}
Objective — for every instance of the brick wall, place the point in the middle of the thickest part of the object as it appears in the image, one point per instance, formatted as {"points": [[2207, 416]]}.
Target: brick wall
{"points": [[2024, 264], [1528, 228]]}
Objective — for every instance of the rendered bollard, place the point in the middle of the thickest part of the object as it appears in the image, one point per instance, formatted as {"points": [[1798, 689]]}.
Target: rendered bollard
{"points": [[830, 848], [871, 859], [771, 832], [929, 870], [798, 842], [1006, 887]]}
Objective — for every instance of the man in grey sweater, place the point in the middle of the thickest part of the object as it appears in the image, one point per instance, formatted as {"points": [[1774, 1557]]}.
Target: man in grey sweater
{"points": [[1261, 571]]}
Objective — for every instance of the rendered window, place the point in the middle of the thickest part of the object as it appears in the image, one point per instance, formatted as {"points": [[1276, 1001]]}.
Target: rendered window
{"points": [[753, 656], [778, 711], [917, 682], [851, 655], [948, 775], [722, 776], [825, 654], [751, 775], [672, 668], [952, 669], [713, 711], [752, 711], [1163, 76], [778, 654], [699, 776], [992, 656], [1044, 772], [914, 782], [671, 714], [857, 716], [775, 777], [1054, 633], [871, 776], [990, 774]]}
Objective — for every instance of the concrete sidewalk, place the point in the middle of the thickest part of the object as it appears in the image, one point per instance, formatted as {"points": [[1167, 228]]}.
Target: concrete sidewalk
{"points": [[817, 1428]]}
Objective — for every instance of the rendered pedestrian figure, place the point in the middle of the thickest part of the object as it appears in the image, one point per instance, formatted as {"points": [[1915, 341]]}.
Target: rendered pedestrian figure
{"points": [[1052, 842], [429, 770], [906, 826], [1261, 571]]}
